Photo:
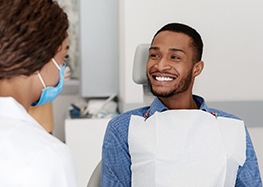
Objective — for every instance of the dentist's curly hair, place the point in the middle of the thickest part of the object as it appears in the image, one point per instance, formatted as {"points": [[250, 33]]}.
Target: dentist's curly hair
{"points": [[31, 32]]}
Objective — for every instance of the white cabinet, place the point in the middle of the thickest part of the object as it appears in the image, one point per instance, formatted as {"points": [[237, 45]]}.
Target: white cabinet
{"points": [[85, 137]]}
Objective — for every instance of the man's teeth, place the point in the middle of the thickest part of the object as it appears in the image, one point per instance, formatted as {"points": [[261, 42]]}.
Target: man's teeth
{"points": [[164, 78]]}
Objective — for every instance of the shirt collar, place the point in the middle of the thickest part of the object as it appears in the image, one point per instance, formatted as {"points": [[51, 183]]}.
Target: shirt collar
{"points": [[158, 106], [200, 103], [10, 108]]}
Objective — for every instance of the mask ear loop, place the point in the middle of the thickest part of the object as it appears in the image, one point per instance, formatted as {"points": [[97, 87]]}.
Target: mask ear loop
{"points": [[56, 64], [41, 79]]}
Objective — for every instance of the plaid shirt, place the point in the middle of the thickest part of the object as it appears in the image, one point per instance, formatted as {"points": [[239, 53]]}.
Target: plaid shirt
{"points": [[116, 160]]}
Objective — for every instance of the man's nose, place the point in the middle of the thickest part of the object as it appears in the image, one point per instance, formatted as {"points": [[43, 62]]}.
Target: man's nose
{"points": [[162, 64]]}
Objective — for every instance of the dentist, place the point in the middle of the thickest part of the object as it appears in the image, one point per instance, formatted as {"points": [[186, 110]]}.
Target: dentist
{"points": [[33, 46]]}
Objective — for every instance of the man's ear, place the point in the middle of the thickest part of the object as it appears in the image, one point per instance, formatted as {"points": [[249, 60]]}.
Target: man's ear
{"points": [[198, 67]]}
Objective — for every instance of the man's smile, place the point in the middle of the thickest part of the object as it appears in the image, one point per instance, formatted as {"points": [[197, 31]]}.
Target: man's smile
{"points": [[163, 79]]}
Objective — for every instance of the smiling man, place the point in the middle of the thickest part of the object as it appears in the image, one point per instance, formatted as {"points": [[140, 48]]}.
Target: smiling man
{"points": [[177, 140]]}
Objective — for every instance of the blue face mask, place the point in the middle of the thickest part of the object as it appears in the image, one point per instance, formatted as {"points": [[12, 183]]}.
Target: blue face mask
{"points": [[50, 93]]}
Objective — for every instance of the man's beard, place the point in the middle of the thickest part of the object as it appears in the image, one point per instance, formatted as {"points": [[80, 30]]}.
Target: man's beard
{"points": [[182, 87]]}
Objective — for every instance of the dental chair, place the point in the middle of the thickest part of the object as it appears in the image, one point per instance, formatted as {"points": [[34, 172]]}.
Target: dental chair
{"points": [[94, 180], [139, 77], [139, 71]]}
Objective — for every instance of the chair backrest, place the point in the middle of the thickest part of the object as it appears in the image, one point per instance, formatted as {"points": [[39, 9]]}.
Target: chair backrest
{"points": [[139, 71], [94, 180], [139, 77], [139, 64]]}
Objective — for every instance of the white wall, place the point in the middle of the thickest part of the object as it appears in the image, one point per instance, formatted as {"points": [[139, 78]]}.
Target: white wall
{"points": [[232, 32], [98, 44]]}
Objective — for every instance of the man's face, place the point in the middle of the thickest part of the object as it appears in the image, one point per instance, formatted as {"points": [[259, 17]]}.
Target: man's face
{"points": [[170, 64]]}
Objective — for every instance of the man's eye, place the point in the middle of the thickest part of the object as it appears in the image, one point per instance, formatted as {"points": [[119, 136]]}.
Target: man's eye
{"points": [[174, 57], [154, 56]]}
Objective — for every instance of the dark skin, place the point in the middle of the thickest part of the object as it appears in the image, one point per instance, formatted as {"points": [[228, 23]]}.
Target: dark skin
{"points": [[171, 69]]}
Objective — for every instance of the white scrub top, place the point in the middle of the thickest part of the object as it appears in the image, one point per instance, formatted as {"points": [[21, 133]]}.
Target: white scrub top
{"points": [[29, 155]]}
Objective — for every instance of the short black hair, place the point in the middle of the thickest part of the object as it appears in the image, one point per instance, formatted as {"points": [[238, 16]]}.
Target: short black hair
{"points": [[197, 42]]}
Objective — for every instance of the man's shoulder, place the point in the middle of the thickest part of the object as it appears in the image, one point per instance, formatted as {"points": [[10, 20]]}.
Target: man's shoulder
{"points": [[119, 125], [222, 113], [124, 118], [214, 111]]}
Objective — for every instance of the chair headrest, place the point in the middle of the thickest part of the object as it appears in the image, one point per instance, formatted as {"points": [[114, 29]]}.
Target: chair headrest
{"points": [[139, 64]]}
